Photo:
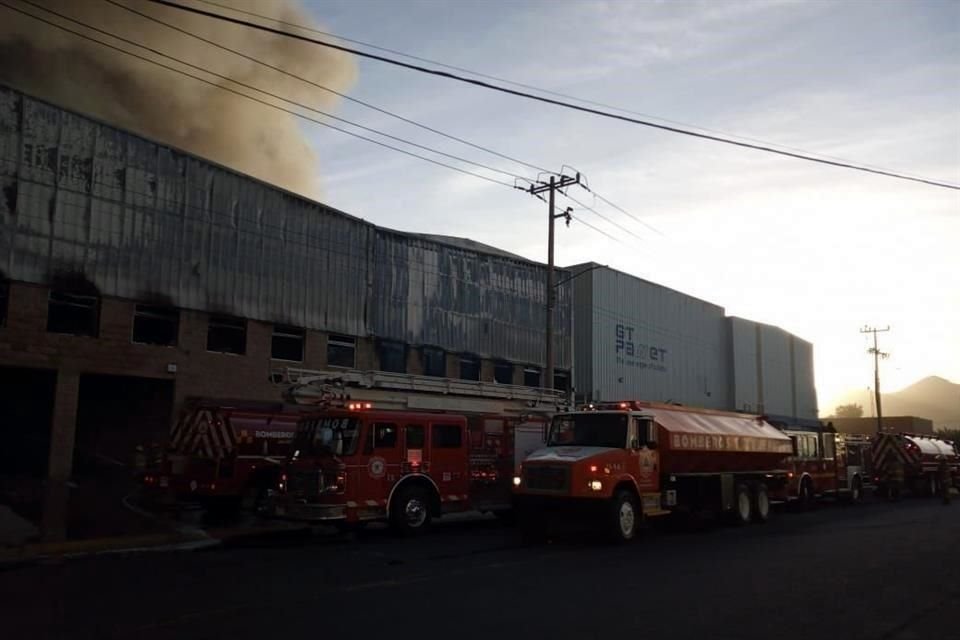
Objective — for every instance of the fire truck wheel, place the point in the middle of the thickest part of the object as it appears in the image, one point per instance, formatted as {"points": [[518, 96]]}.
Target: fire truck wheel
{"points": [[856, 491], [625, 516], [410, 514], [805, 498], [742, 505], [761, 503]]}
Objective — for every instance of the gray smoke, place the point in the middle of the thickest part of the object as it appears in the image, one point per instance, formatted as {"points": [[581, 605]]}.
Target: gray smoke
{"points": [[81, 75]]}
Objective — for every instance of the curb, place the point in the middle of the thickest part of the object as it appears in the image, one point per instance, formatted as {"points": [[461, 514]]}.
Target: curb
{"points": [[36, 552], [183, 540]]}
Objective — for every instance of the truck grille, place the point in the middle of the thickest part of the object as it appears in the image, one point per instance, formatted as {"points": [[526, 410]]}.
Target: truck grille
{"points": [[304, 483], [546, 478]]}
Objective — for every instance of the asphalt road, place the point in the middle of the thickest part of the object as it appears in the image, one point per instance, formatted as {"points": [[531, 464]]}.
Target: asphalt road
{"points": [[875, 571]]}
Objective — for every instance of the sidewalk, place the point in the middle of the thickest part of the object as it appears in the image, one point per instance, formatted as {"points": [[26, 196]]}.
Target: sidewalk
{"points": [[184, 538]]}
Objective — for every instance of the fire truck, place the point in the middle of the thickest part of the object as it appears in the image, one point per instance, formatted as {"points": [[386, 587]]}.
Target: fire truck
{"points": [[619, 463], [920, 455], [825, 463], [223, 454], [404, 448]]}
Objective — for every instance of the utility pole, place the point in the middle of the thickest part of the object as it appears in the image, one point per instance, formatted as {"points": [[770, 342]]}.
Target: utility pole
{"points": [[877, 354], [551, 187]]}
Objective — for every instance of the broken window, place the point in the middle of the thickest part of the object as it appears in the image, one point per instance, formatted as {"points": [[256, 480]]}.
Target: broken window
{"points": [[503, 373], [434, 362], [4, 297], [561, 380], [155, 325], [287, 343], [227, 335], [73, 313], [393, 356], [342, 351], [469, 367], [531, 377]]}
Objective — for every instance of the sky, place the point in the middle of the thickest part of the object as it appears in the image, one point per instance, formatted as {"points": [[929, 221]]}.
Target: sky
{"points": [[817, 250]]}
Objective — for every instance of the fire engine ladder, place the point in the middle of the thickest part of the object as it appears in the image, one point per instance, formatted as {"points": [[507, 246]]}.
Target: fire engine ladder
{"points": [[416, 392]]}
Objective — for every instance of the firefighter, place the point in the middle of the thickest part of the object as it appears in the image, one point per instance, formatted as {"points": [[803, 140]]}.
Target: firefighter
{"points": [[894, 477], [944, 479]]}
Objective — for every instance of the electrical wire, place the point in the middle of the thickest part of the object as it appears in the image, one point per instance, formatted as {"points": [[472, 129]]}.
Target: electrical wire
{"points": [[263, 102], [517, 84], [294, 113], [600, 215], [322, 87], [523, 94], [366, 104]]}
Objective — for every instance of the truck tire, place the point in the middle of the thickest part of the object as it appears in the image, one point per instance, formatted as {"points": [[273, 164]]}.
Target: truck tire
{"points": [[624, 516], [742, 505], [410, 513], [761, 503], [805, 498], [856, 491]]}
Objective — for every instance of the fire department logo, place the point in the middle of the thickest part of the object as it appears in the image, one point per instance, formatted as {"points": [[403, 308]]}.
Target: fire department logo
{"points": [[377, 467]]}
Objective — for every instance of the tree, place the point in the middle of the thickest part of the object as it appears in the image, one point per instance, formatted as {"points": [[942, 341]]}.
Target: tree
{"points": [[852, 410], [950, 434]]}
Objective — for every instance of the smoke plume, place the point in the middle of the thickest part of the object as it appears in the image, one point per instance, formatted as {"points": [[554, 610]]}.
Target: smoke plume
{"points": [[62, 68]]}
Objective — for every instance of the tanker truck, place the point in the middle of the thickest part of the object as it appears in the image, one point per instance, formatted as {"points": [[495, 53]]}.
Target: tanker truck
{"points": [[618, 464]]}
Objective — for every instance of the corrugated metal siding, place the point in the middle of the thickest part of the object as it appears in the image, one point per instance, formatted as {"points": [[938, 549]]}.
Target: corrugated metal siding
{"points": [[139, 220], [679, 343], [462, 300], [772, 371], [776, 371], [584, 330], [806, 390], [744, 375]]}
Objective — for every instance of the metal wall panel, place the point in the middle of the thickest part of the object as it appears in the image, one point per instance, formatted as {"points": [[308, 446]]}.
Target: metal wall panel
{"points": [[744, 375], [652, 343], [804, 381], [464, 300], [772, 371], [584, 329], [776, 371], [138, 220]]}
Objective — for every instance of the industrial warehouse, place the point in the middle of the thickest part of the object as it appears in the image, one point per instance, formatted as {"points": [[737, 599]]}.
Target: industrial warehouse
{"points": [[136, 276]]}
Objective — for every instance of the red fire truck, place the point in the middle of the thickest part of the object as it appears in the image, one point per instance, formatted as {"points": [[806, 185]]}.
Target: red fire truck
{"points": [[619, 463], [406, 449], [223, 454], [920, 455], [825, 464]]}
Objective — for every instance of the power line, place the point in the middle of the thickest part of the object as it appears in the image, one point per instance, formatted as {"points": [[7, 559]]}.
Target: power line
{"points": [[514, 82], [523, 94], [249, 97], [600, 215], [252, 98], [366, 104], [597, 229], [322, 87]]}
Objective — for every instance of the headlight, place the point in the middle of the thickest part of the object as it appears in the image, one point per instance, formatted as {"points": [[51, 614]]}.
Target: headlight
{"points": [[516, 481], [596, 485]]}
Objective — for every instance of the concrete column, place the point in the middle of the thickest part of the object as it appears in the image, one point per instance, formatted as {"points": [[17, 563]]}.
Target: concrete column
{"points": [[60, 464]]}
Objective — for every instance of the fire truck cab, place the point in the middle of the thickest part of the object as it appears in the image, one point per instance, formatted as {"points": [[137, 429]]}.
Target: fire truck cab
{"points": [[825, 463], [406, 449]]}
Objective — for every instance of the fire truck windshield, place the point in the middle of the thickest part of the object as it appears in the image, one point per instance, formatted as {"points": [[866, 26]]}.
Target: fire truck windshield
{"points": [[327, 434], [591, 429]]}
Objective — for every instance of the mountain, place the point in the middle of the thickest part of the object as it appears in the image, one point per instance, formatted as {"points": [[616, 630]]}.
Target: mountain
{"points": [[933, 398]]}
